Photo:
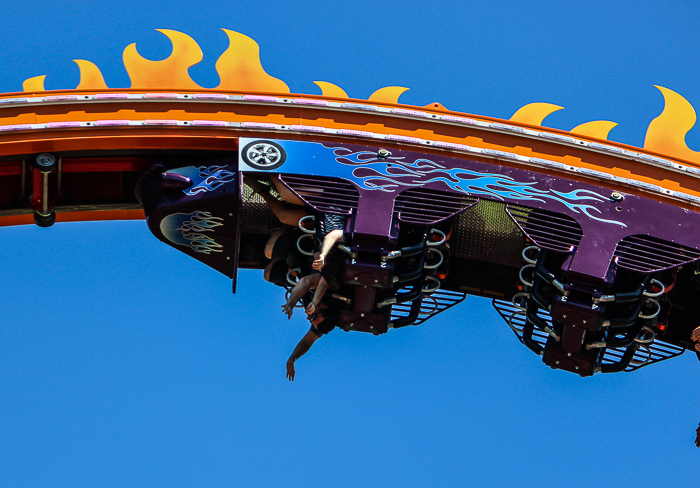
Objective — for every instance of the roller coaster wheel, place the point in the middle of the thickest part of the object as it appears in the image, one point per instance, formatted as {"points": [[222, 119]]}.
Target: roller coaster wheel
{"points": [[45, 162], [44, 220]]}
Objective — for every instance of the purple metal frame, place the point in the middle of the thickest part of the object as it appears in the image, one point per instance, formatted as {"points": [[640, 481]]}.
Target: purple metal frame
{"points": [[605, 221]]}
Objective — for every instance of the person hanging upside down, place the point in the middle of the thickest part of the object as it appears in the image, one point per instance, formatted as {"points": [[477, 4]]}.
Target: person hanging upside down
{"points": [[323, 312]]}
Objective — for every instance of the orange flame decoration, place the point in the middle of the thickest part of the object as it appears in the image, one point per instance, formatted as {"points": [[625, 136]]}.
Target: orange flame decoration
{"points": [[666, 133], [240, 69], [170, 73]]}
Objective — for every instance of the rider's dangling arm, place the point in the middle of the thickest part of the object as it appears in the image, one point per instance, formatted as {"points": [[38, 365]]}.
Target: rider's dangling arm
{"points": [[302, 348]]}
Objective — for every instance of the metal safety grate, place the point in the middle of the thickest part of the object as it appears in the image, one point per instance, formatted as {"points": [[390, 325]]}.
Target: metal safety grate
{"points": [[256, 216], [549, 230], [485, 232], [433, 304], [647, 254], [327, 195], [425, 206], [647, 354]]}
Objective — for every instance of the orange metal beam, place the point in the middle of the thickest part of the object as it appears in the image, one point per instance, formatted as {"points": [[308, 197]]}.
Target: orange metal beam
{"points": [[80, 216], [103, 140]]}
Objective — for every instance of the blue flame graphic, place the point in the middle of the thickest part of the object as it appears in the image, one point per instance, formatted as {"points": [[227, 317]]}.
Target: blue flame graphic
{"points": [[205, 178], [187, 230], [391, 173], [213, 178]]}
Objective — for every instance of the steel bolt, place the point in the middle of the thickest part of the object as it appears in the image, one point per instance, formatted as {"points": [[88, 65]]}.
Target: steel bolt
{"points": [[568, 354], [616, 196], [563, 316], [557, 362], [383, 153]]}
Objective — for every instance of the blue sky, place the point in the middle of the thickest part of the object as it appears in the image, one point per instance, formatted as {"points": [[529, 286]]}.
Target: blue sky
{"points": [[126, 363]]}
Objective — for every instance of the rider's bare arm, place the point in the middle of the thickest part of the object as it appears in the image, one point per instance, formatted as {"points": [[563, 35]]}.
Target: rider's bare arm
{"points": [[302, 348], [285, 193], [318, 295], [331, 239], [288, 216], [305, 284]]}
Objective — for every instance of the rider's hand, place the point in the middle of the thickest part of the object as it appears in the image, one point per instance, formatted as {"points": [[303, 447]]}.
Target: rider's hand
{"points": [[288, 309], [319, 262], [290, 368], [311, 309], [695, 336]]}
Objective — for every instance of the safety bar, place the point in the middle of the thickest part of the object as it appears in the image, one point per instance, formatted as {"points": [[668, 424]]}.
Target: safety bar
{"points": [[549, 277], [441, 241], [631, 296], [289, 276], [304, 229], [436, 265], [405, 251], [539, 298], [529, 328], [306, 253], [526, 250], [412, 315], [433, 289], [628, 339], [628, 320], [347, 251], [408, 296], [342, 298], [413, 274], [625, 361]]}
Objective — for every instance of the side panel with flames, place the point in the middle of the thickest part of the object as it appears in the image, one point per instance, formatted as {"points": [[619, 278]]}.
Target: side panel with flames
{"points": [[201, 219]]}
